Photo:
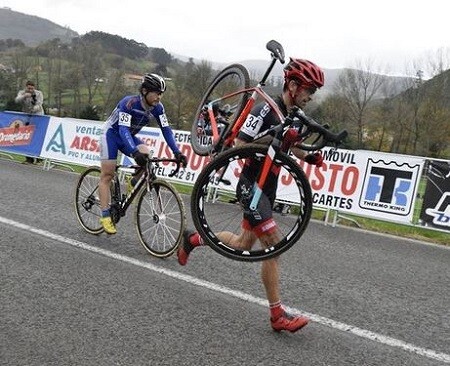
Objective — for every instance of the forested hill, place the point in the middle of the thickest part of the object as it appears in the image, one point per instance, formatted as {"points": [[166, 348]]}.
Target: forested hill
{"points": [[30, 29]]}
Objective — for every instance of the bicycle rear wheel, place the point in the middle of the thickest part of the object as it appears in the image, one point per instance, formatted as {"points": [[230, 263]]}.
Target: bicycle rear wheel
{"points": [[231, 79], [87, 201], [217, 211], [160, 219]]}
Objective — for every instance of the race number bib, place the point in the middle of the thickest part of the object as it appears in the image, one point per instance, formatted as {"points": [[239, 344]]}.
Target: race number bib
{"points": [[124, 119], [252, 125], [164, 120]]}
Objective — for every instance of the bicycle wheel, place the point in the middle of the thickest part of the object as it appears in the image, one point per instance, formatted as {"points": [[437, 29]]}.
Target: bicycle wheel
{"points": [[231, 79], [160, 219], [87, 201], [217, 211]]}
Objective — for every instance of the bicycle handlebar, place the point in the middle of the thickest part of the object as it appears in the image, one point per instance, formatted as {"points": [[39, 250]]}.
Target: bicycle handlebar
{"points": [[160, 160], [314, 127]]}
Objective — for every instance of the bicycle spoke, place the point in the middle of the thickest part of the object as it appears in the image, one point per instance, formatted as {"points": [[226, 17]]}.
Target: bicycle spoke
{"points": [[160, 219], [87, 202], [218, 209], [226, 107]]}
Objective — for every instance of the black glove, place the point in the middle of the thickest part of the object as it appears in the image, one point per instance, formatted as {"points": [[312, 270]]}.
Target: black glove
{"points": [[181, 158], [140, 158], [314, 159]]}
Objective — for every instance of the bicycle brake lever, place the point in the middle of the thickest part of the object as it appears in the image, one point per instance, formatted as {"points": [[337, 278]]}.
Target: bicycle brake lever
{"points": [[175, 171]]}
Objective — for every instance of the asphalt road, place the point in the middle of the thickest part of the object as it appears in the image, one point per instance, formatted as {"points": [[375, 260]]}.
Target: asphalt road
{"points": [[71, 298]]}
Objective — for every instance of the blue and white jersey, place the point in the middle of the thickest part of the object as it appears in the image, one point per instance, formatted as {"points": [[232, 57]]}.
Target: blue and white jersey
{"points": [[128, 118]]}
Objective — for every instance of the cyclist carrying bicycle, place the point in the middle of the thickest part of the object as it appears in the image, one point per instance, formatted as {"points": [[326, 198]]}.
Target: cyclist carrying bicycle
{"points": [[119, 134], [301, 79]]}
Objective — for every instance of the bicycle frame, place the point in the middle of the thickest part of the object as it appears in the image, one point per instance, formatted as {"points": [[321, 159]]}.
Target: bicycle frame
{"points": [[121, 203], [306, 124], [231, 135], [277, 53]]}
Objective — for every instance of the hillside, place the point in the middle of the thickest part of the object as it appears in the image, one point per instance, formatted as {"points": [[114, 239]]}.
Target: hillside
{"points": [[32, 30]]}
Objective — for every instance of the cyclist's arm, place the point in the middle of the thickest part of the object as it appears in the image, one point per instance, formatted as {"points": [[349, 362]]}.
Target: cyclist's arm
{"points": [[168, 136], [124, 122], [166, 130]]}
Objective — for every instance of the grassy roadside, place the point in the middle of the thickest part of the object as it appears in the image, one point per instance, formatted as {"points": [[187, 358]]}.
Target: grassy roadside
{"points": [[396, 229], [407, 231]]}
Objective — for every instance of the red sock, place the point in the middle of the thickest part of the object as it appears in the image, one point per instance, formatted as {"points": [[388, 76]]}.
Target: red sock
{"points": [[195, 240], [276, 310]]}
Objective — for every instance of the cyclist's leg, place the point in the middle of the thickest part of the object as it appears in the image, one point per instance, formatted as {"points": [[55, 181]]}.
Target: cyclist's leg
{"points": [[108, 156], [143, 149], [108, 168], [244, 240], [279, 318], [192, 239], [266, 230]]}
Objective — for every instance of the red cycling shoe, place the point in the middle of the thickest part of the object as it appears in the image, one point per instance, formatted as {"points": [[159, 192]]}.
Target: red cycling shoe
{"points": [[289, 322]]}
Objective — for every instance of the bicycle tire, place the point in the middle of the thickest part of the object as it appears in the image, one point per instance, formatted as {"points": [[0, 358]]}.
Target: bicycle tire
{"points": [[231, 79], [160, 219], [215, 207], [87, 201]]}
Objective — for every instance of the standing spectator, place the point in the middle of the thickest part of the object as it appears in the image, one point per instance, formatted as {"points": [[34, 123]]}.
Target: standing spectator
{"points": [[31, 100]]}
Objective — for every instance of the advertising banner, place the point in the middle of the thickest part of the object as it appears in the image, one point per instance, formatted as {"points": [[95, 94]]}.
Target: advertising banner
{"points": [[436, 201], [22, 133], [153, 138], [73, 141], [367, 183]]}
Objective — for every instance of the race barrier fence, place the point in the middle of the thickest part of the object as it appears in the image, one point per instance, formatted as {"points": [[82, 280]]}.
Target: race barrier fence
{"points": [[362, 183]]}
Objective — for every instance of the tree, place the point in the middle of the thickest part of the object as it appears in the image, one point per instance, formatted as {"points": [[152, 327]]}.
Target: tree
{"points": [[88, 57], [358, 87], [160, 56]]}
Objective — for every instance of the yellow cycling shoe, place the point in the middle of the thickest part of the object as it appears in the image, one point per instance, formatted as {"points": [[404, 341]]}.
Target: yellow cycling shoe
{"points": [[108, 225]]}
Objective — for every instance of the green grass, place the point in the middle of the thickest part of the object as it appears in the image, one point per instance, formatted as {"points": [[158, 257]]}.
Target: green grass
{"points": [[396, 229]]}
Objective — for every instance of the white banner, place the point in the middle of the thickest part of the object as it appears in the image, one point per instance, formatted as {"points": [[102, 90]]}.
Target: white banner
{"points": [[73, 141], [365, 183]]}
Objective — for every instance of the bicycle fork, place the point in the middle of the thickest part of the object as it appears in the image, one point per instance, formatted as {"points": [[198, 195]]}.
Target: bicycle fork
{"points": [[274, 148], [259, 184]]}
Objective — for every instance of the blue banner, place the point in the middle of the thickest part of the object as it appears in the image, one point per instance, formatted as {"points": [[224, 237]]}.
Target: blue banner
{"points": [[22, 133]]}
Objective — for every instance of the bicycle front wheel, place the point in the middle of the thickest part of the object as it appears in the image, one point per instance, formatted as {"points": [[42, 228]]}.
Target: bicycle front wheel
{"points": [[160, 219], [87, 201], [227, 108], [217, 211]]}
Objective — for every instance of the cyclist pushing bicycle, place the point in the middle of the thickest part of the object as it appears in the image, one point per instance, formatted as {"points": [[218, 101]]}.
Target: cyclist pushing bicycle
{"points": [[301, 80], [119, 134]]}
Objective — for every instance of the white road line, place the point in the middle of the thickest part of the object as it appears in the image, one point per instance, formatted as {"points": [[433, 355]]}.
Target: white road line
{"points": [[443, 357]]}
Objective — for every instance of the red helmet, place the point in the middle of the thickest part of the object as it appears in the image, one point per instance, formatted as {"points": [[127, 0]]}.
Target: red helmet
{"points": [[307, 72]]}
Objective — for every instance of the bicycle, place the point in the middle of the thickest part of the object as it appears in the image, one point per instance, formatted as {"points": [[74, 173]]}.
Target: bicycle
{"points": [[159, 215], [230, 87], [219, 197]]}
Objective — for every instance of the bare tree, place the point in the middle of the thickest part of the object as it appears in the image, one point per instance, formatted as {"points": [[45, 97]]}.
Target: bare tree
{"points": [[88, 56], [21, 64], [358, 87]]}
